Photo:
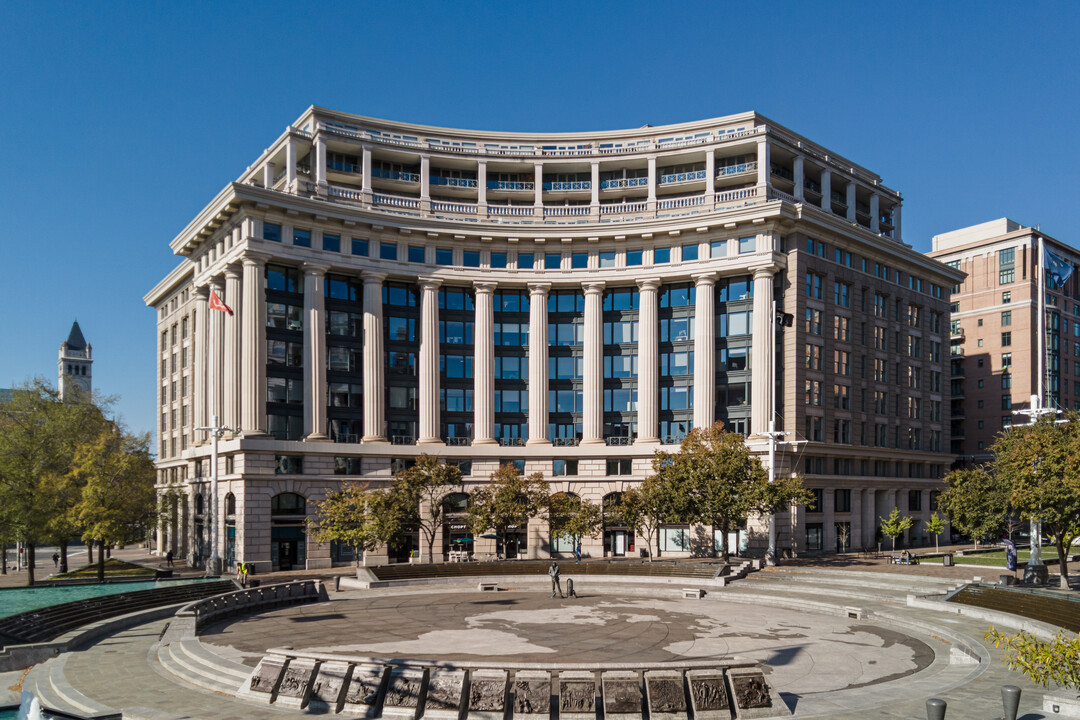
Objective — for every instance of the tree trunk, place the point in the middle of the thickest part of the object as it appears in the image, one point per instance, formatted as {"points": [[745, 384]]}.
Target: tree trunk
{"points": [[3, 558], [89, 552], [1063, 561], [63, 556], [101, 562], [724, 553], [30, 564]]}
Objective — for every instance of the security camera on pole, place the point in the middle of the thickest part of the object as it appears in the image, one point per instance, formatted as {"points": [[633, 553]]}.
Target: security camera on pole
{"points": [[217, 431]]}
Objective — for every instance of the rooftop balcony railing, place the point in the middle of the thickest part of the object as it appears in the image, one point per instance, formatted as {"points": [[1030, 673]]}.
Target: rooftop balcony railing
{"points": [[621, 208], [618, 441], [725, 170], [512, 442], [396, 201], [624, 183], [683, 202], [510, 185], [568, 186], [402, 440], [344, 438], [674, 178], [510, 210], [455, 441], [783, 172], [566, 442], [566, 210], [453, 181], [838, 198], [395, 175]]}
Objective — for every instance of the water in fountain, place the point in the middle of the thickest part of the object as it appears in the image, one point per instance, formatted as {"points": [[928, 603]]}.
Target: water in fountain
{"points": [[30, 707]]}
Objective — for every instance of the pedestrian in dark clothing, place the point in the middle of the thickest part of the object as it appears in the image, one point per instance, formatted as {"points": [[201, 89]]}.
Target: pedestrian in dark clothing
{"points": [[577, 552], [168, 558], [55, 560], [553, 573]]}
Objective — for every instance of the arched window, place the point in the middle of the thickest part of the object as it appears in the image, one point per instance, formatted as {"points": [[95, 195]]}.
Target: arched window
{"points": [[561, 504], [198, 504], [611, 503], [455, 503], [288, 504], [230, 504]]}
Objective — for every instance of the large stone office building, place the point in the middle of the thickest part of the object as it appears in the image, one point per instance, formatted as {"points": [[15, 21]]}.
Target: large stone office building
{"points": [[994, 331], [567, 302]]}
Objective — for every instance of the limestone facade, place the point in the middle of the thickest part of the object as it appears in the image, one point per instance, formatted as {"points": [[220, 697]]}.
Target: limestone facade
{"points": [[567, 302]]}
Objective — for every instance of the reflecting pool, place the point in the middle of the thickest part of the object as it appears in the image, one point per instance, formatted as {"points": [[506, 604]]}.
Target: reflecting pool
{"points": [[17, 600]]}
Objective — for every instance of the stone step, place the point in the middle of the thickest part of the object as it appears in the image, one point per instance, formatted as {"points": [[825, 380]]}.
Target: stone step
{"points": [[209, 660], [72, 698], [882, 581], [191, 671], [37, 682]]}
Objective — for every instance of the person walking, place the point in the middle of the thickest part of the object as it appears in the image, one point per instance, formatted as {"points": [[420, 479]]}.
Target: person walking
{"points": [[577, 551], [55, 560], [553, 573], [168, 558]]}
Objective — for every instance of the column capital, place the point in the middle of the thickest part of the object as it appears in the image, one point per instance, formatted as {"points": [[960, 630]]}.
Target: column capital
{"points": [[484, 287], [704, 279], [314, 268], [593, 287], [233, 271], [372, 276], [429, 283], [649, 284], [202, 292], [254, 259], [217, 282], [763, 272], [539, 288]]}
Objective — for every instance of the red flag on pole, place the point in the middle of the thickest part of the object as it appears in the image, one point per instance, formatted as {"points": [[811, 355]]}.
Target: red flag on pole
{"points": [[216, 304]]}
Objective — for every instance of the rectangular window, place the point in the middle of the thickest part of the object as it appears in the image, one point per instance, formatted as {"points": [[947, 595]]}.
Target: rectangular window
{"points": [[842, 501], [552, 261], [498, 260], [606, 259], [813, 285], [620, 467], [1006, 318], [633, 258], [689, 252], [818, 503], [841, 294], [331, 243], [525, 261], [359, 247], [1006, 265], [717, 248], [388, 251], [579, 261], [561, 468], [272, 232], [444, 256], [747, 245], [661, 256], [301, 238], [471, 259], [1006, 339], [416, 254]]}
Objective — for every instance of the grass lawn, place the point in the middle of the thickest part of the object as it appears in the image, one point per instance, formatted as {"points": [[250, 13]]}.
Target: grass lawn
{"points": [[113, 568], [1049, 552]]}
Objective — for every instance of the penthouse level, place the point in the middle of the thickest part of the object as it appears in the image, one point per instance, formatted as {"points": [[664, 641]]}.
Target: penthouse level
{"points": [[367, 332]]}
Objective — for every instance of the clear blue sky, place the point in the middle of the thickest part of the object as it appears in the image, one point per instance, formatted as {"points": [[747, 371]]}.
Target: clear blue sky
{"points": [[121, 120]]}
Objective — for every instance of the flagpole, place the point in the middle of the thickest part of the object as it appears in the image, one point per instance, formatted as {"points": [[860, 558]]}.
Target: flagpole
{"points": [[1035, 525]]}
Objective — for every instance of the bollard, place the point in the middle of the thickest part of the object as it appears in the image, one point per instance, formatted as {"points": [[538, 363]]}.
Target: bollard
{"points": [[570, 588], [337, 583], [1010, 699], [935, 709]]}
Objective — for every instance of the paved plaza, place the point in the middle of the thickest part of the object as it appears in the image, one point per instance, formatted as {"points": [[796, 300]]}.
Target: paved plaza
{"points": [[883, 663]]}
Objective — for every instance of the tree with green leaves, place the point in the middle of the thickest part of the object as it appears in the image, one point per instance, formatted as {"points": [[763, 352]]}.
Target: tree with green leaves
{"points": [[117, 504], [39, 434], [508, 500], [357, 517], [1039, 467], [644, 509], [935, 526], [895, 525], [572, 517], [1054, 661], [976, 502], [420, 490]]}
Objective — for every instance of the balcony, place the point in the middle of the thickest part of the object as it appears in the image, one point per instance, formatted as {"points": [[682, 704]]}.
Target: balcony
{"points": [[956, 351], [568, 186], [566, 442], [343, 167], [454, 441], [510, 185], [624, 183], [619, 441], [344, 438], [683, 177], [782, 172], [512, 442], [727, 170], [453, 181], [402, 440], [399, 175]]}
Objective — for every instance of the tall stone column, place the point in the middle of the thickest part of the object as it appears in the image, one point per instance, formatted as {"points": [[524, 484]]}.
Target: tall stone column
{"points": [[199, 367], [253, 347], [538, 362], [855, 537], [826, 189], [315, 351], [481, 188], [319, 164], [764, 161], [230, 372], [869, 514], [764, 352], [653, 181], [594, 186], [896, 234], [704, 351], [429, 362], [290, 163], [374, 364], [365, 175], [216, 346], [484, 366], [798, 171], [851, 201], [875, 213], [425, 183], [538, 185], [648, 363], [593, 369]]}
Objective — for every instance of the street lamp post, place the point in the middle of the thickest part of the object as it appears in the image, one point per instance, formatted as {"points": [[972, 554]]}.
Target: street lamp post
{"points": [[213, 563], [782, 320], [1034, 412]]}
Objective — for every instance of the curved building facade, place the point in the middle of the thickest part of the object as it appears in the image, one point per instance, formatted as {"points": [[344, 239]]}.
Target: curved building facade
{"points": [[568, 302]]}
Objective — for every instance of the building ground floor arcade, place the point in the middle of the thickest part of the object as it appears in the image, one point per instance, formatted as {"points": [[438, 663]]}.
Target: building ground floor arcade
{"points": [[265, 499]]}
